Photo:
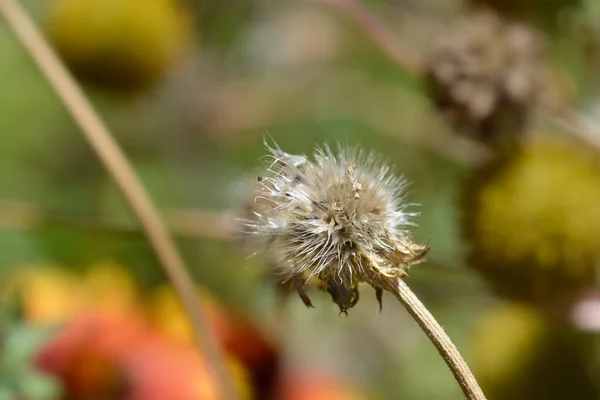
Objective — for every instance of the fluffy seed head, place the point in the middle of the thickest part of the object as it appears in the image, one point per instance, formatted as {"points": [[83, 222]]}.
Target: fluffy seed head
{"points": [[334, 220]]}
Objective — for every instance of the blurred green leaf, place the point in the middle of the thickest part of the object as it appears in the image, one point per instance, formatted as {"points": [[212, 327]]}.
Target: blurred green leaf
{"points": [[18, 378]]}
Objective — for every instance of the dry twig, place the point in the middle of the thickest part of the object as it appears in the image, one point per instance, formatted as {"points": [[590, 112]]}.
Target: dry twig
{"points": [[121, 171], [440, 340], [186, 223], [389, 44], [381, 35]]}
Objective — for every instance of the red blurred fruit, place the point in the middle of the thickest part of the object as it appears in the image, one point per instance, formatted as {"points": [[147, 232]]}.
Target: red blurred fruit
{"points": [[117, 356], [238, 336], [88, 354], [252, 348], [304, 385], [157, 371], [110, 349]]}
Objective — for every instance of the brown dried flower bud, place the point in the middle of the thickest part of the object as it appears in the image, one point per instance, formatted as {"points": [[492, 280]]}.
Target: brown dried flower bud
{"points": [[486, 75]]}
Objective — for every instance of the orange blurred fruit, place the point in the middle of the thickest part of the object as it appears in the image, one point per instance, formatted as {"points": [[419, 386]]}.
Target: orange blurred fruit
{"points": [[157, 370], [239, 338], [303, 385], [103, 354], [87, 354], [110, 348]]}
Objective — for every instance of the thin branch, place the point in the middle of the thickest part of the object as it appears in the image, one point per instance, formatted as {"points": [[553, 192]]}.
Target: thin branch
{"points": [[440, 340], [380, 34], [460, 150], [101, 140], [231, 121], [389, 44], [199, 223], [185, 223]]}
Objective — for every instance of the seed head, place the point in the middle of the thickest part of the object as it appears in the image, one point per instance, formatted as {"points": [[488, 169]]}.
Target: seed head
{"points": [[529, 241], [487, 76], [334, 221]]}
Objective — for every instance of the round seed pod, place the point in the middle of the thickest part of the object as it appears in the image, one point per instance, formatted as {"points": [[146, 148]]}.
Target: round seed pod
{"points": [[122, 45], [532, 220], [519, 354], [486, 75]]}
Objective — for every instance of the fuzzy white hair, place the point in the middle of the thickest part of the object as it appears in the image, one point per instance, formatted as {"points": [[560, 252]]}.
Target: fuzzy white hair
{"points": [[337, 220]]}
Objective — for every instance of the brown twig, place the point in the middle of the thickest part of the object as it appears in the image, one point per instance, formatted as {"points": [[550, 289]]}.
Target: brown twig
{"points": [[440, 340], [465, 151], [389, 44], [185, 223], [131, 187], [233, 117], [382, 36]]}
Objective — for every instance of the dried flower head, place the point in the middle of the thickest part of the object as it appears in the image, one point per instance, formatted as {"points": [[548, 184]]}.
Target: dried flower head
{"points": [[486, 75], [334, 221]]}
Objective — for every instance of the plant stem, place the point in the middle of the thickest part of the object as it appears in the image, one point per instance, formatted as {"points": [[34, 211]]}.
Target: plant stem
{"points": [[380, 34], [461, 371], [102, 142], [187, 223]]}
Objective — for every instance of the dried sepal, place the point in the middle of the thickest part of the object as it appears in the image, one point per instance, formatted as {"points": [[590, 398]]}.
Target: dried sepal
{"points": [[334, 221]]}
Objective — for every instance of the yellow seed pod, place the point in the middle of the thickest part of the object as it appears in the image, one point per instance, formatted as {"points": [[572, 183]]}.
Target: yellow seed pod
{"points": [[532, 220], [518, 354], [505, 342], [120, 44]]}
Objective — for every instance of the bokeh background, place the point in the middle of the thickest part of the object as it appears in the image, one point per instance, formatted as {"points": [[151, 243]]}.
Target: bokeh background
{"points": [[191, 88]]}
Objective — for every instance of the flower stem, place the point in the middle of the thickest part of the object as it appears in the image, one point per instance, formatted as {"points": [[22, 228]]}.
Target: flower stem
{"points": [[115, 161], [380, 34], [461, 371]]}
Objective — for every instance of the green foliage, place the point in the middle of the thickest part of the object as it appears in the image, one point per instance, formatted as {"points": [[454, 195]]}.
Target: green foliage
{"points": [[18, 376]]}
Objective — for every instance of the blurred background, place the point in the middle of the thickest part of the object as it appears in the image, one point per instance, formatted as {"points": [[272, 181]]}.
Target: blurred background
{"points": [[490, 108]]}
